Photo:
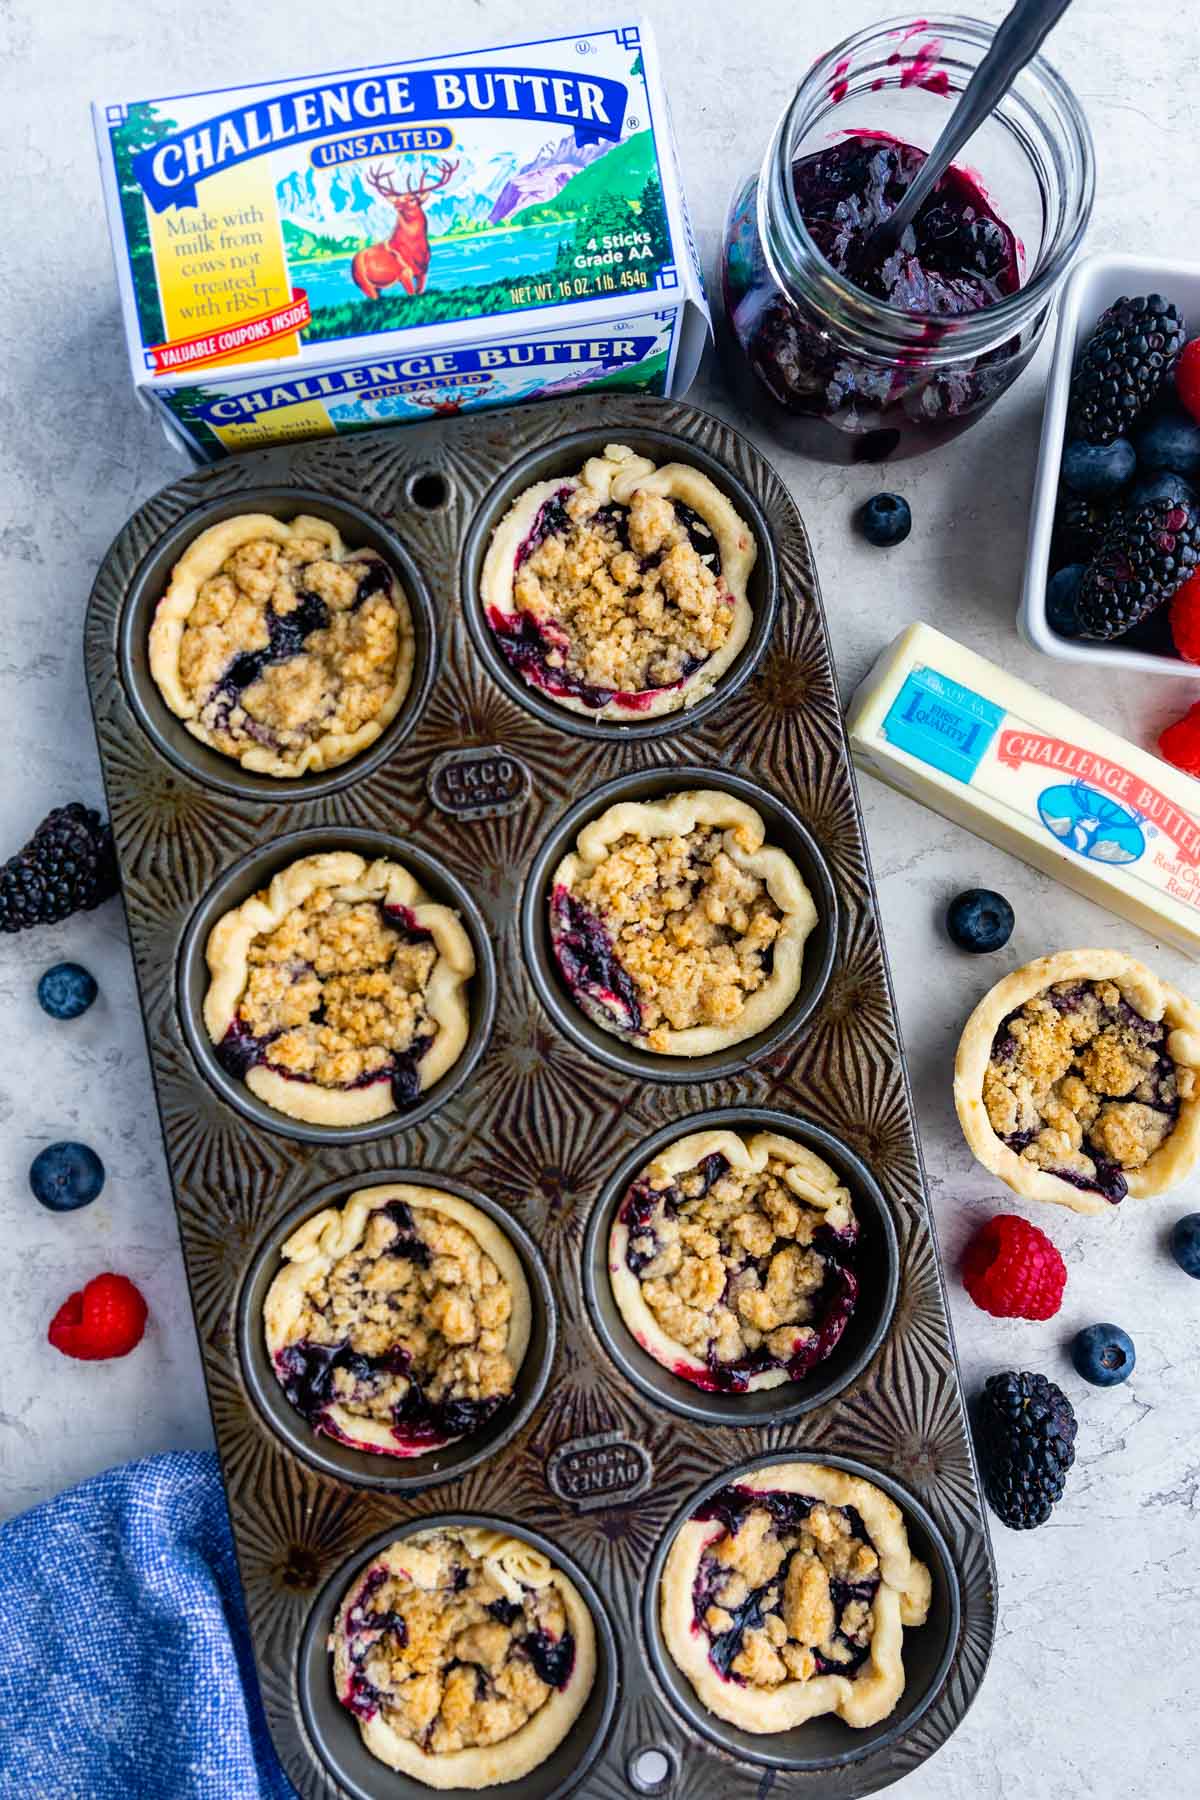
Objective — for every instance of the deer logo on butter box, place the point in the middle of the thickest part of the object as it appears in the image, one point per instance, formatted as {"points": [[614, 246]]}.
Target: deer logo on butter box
{"points": [[271, 237]]}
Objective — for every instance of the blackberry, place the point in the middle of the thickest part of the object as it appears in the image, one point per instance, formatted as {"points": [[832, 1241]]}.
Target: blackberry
{"points": [[1146, 554], [1079, 526], [1026, 1429], [67, 866], [1124, 363]]}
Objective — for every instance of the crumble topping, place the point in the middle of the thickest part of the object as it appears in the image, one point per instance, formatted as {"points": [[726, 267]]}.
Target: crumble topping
{"points": [[741, 1267], [336, 993], [690, 933], [624, 599], [452, 1656], [785, 1591], [286, 645], [1080, 1084], [408, 1330]]}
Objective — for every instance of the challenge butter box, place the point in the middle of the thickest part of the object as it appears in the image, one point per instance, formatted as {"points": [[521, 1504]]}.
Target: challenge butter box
{"points": [[308, 257]]}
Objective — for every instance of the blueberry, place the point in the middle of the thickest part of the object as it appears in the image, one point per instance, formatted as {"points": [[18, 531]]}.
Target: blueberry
{"points": [[885, 520], [1098, 470], [64, 1176], [1062, 596], [1185, 1244], [1171, 442], [66, 991], [1163, 486], [979, 920], [1103, 1355]]}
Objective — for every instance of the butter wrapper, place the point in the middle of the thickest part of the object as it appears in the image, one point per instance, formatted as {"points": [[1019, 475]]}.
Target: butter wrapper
{"points": [[1034, 777], [403, 242]]}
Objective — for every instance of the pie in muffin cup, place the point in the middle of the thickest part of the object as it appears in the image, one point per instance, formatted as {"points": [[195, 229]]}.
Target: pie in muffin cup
{"points": [[279, 647], [1077, 1080], [676, 926], [785, 1597], [620, 592], [729, 1259], [338, 993], [401, 1317], [465, 1655]]}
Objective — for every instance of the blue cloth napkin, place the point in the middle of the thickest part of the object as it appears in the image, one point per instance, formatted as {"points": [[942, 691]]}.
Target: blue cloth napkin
{"points": [[125, 1664]]}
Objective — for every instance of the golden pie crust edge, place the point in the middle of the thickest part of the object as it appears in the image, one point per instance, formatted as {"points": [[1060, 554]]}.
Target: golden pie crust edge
{"points": [[511, 1559], [902, 1598], [1154, 998], [676, 815], [749, 1154], [617, 476], [203, 558], [336, 1231], [351, 878]]}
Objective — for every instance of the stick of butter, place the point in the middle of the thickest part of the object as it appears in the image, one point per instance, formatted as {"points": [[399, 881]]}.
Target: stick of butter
{"points": [[1036, 778]]}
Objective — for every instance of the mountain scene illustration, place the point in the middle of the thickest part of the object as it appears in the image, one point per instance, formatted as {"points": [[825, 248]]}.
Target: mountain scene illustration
{"points": [[545, 177]]}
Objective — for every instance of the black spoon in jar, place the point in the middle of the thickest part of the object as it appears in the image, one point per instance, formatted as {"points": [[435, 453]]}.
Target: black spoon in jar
{"points": [[1018, 38]]}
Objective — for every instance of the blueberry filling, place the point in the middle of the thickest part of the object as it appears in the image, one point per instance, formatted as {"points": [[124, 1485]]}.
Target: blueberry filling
{"points": [[408, 1242], [307, 1371], [788, 1513], [956, 257], [589, 963], [552, 1658], [364, 1698], [642, 1202], [552, 520], [239, 1050], [505, 1612]]}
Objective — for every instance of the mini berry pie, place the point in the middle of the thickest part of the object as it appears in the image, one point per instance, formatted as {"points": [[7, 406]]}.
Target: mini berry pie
{"points": [[465, 1656], [1077, 1080], [281, 648], [338, 993], [730, 1260], [620, 591], [784, 1597], [399, 1320], [676, 926]]}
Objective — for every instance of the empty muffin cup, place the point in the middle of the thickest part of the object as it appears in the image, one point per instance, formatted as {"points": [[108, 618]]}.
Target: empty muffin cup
{"points": [[168, 732], [253, 874], [872, 1260], [366, 1467], [826, 1741], [334, 1729], [784, 831], [565, 457]]}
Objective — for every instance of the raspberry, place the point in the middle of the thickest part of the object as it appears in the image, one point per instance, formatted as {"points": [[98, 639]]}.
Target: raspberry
{"points": [[106, 1318], [1180, 742], [1187, 377], [1185, 620], [1013, 1271]]}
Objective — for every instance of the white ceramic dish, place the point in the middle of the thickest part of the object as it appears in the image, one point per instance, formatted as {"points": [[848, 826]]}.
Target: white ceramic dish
{"points": [[1094, 283]]}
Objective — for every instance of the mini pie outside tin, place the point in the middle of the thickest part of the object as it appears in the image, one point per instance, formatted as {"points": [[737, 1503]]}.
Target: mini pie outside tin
{"points": [[474, 788]]}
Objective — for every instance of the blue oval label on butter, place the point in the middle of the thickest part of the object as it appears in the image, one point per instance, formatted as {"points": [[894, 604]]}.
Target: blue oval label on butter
{"points": [[1091, 824], [945, 724]]}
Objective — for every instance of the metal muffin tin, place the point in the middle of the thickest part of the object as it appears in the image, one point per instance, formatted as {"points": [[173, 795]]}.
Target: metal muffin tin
{"points": [[548, 1116]]}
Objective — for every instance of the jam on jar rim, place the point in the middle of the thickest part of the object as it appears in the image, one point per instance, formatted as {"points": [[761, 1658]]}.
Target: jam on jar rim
{"points": [[869, 323]]}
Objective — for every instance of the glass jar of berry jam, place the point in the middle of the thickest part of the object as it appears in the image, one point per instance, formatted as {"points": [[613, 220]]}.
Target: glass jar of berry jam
{"points": [[859, 360]]}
